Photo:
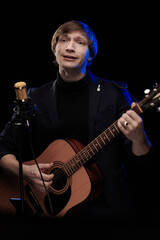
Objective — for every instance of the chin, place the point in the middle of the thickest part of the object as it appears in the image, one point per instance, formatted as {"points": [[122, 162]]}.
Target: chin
{"points": [[70, 66]]}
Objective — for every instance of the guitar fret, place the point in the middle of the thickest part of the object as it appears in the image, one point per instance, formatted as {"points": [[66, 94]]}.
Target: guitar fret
{"points": [[99, 140], [65, 168], [68, 168], [97, 144], [80, 160], [86, 154], [103, 140], [93, 147], [115, 125], [106, 135], [111, 131], [74, 163], [92, 152]]}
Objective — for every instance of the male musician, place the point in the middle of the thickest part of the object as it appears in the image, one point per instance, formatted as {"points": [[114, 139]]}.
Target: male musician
{"points": [[80, 106]]}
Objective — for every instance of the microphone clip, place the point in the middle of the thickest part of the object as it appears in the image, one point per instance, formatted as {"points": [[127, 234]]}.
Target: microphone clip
{"points": [[24, 111]]}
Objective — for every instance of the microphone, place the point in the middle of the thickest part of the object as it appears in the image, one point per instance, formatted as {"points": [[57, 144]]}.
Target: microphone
{"points": [[21, 91], [24, 109]]}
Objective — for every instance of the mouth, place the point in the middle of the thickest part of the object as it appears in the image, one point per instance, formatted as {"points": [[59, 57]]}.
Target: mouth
{"points": [[69, 57]]}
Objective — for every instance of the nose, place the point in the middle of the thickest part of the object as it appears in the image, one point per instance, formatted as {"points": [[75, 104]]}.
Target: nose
{"points": [[70, 46]]}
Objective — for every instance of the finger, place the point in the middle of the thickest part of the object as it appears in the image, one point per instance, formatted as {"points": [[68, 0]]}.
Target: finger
{"points": [[44, 165], [47, 177], [126, 118], [133, 104], [136, 119], [48, 184], [121, 126], [40, 185]]}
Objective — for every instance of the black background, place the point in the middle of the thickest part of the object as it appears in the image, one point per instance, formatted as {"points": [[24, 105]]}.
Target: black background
{"points": [[128, 39]]}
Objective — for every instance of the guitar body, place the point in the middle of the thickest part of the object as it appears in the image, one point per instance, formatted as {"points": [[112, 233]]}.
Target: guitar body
{"points": [[66, 195]]}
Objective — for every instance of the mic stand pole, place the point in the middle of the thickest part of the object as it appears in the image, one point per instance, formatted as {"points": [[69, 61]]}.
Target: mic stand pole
{"points": [[21, 122], [20, 126], [24, 110]]}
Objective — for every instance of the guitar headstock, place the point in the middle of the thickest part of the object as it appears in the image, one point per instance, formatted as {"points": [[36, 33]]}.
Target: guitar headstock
{"points": [[151, 99]]}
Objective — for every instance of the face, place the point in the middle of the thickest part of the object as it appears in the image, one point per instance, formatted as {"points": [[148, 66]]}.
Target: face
{"points": [[72, 51]]}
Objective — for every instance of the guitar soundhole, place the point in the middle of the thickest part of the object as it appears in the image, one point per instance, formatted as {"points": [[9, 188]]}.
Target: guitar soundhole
{"points": [[59, 180]]}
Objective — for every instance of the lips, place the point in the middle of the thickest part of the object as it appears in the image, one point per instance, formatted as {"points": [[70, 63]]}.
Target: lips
{"points": [[69, 57]]}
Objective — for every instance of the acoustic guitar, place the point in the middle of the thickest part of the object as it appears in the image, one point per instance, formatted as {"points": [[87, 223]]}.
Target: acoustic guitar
{"points": [[77, 181]]}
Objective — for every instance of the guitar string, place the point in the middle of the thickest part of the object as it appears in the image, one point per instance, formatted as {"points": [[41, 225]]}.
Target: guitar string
{"points": [[59, 173], [109, 133], [35, 159], [102, 141], [91, 150]]}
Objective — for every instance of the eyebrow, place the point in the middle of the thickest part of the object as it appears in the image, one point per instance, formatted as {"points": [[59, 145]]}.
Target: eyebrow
{"points": [[78, 37], [81, 38]]}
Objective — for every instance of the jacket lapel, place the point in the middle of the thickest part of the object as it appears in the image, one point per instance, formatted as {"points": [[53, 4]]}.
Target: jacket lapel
{"points": [[95, 92], [52, 105]]}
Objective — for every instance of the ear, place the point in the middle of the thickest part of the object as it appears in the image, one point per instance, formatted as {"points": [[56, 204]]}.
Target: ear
{"points": [[54, 51]]}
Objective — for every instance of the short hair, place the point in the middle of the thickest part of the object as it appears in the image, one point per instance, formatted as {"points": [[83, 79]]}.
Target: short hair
{"points": [[73, 26]]}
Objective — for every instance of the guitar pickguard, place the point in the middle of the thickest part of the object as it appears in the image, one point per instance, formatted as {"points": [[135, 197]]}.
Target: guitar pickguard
{"points": [[58, 202]]}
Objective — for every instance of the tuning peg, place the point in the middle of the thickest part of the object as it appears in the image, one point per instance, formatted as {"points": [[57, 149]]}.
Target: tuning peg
{"points": [[146, 92], [158, 109]]}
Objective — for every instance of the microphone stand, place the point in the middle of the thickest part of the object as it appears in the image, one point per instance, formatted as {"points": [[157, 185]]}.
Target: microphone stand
{"points": [[24, 110]]}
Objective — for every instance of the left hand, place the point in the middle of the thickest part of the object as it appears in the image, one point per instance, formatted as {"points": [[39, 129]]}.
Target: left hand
{"points": [[134, 129]]}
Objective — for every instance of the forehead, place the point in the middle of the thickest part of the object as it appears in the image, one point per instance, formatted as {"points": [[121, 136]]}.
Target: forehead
{"points": [[76, 34]]}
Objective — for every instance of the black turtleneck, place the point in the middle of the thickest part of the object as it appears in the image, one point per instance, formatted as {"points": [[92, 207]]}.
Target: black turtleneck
{"points": [[72, 104]]}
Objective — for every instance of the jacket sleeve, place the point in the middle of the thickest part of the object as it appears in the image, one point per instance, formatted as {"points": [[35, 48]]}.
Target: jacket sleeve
{"points": [[8, 140], [124, 103]]}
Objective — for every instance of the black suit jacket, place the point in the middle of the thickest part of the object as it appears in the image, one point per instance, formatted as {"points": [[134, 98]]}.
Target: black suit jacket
{"points": [[107, 101]]}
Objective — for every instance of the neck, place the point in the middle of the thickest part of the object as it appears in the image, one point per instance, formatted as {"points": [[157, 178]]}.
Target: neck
{"points": [[72, 75]]}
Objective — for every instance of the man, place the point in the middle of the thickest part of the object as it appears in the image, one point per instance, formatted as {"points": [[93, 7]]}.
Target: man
{"points": [[80, 106]]}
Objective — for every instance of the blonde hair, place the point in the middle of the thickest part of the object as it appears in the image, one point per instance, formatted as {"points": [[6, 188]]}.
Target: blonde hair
{"points": [[73, 26]]}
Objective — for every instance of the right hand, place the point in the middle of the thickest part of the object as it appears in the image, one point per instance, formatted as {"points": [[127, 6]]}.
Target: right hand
{"points": [[32, 175]]}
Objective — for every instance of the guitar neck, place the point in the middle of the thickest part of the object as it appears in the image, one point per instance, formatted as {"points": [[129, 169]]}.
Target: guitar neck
{"points": [[94, 147]]}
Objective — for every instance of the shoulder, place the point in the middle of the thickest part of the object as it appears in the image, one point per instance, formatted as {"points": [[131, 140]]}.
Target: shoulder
{"points": [[121, 85], [115, 89], [43, 89], [106, 82]]}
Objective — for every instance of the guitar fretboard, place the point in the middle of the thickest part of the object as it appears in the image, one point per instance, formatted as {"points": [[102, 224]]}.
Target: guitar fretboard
{"points": [[93, 147]]}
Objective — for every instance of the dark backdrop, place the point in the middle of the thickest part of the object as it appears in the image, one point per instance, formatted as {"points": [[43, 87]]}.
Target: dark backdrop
{"points": [[128, 38]]}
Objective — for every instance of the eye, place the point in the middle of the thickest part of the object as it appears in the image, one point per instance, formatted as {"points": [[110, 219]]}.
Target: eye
{"points": [[63, 40], [80, 42]]}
